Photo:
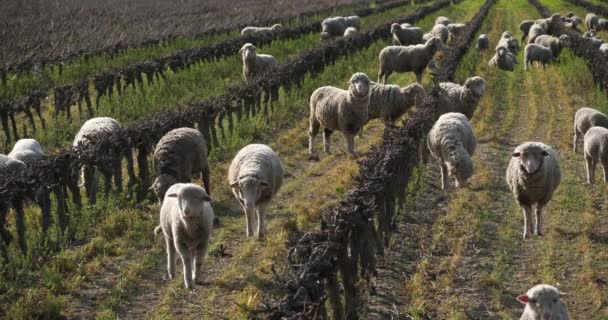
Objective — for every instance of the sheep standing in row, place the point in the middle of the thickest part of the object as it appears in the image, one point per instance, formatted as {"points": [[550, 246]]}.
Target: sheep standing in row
{"points": [[596, 150], [255, 176], [483, 43], [503, 59], [584, 119], [180, 154], [257, 30], [405, 36], [534, 52], [591, 21], [186, 220], [390, 102], [543, 302], [464, 99], [338, 109], [413, 58], [452, 142], [525, 26], [350, 31], [255, 64], [555, 44], [535, 31], [533, 175]]}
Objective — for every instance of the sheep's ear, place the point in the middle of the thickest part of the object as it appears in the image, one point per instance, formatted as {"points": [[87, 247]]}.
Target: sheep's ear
{"points": [[516, 154], [523, 299], [171, 195], [544, 153]]}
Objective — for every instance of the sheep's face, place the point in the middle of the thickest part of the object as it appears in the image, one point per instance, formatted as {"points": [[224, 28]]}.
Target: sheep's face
{"points": [[359, 84], [530, 159], [477, 85], [248, 51], [161, 184], [501, 51], [460, 170], [544, 301], [190, 201], [564, 39], [249, 191]]}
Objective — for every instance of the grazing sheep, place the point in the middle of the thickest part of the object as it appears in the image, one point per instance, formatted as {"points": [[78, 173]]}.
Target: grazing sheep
{"points": [[255, 176], [180, 154], [503, 59], [543, 302], [584, 119], [535, 31], [596, 150], [525, 26], [591, 22], [535, 52], [256, 30], [255, 64], [442, 20], [555, 44], [483, 43], [413, 58], [452, 142], [456, 29], [533, 176], [186, 220], [338, 109], [406, 36], [333, 27], [350, 31], [389, 102], [353, 21], [453, 97]]}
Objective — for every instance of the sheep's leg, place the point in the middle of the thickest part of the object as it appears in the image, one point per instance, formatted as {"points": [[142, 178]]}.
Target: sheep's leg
{"points": [[605, 168], [107, 183], [445, 183], [261, 222], [117, 168], [90, 183], [249, 221], [170, 258], [575, 139], [527, 220], [312, 134], [419, 77], [186, 256], [350, 142], [538, 227], [199, 257], [381, 76], [523, 38], [590, 168], [327, 140]]}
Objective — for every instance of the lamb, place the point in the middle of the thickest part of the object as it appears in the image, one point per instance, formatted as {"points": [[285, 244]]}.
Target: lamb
{"points": [[464, 99], [255, 64], [525, 26], [350, 31], [456, 29], [596, 150], [591, 22], [255, 176], [543, 302], [413, 58], [337, 109], [178, 155], [389, 102], [555, 44], [406, 36], [584, 119], [353, 21], [442, 20], [452, 141], [186, 220], [333, 27], [533, 175], [535, 52], [257, 30], [535, 31], [483, 43], [503, 59]]}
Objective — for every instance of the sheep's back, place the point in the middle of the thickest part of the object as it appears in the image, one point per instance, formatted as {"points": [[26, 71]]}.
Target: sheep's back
{"points": [[94, 127]]}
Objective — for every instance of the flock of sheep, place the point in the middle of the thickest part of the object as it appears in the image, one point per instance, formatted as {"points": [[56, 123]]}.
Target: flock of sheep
{"points": [[255, 174]]}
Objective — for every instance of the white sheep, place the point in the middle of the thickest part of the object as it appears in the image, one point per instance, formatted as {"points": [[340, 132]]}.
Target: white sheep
{"points": [[591, 21], [390, 102], [602, 24], [350, 31], [503, 59], [452, 97], [543, 302], [255, 64], [338, 109], [483, 43], [406, 36], [255, 176], [186, 220], [180, 154], [525, 26], [596, 150], [442, 20], [256, 30], [535, 31], [414, 58], [533, 175], [452, 142], [456, 29], [534, 52], [584, 119], [27, 150], [333, 27], [555, 44]]}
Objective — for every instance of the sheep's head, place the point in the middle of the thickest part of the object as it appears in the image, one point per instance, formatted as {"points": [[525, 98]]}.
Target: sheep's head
{"points": [[248, 51], [191, 200], [544, 301], [161, 184], [565, 40], [395, 27], [530, 156], [250, 190], [477, 85], [460, 165], [277, 27], [436, 43], [507, 35], [359, 84], [417, 91], [501, 51]]}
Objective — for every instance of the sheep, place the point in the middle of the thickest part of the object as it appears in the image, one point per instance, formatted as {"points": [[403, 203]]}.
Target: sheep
{"points": [[483, 43], [525, 26], [350, 31], [453, 97], [255, 64], [533, 175], [604, 48], [440, 31], [337, 109], [442, 20], [186, 220], [508, 42], [503, 59], [452, 141], [412, 58], [390, 102], [256, 30], [178, 155], [591, 21], [597, 42], [584, 119], [333, 27], [406, 36], [555, 44], [456, 29], [255, 176], [543, 302], [602, 24], [353, 21], [535, 31], [534, 52], [596, 150]]}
